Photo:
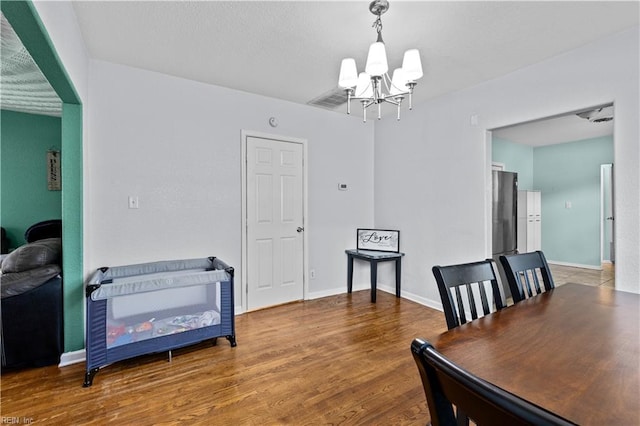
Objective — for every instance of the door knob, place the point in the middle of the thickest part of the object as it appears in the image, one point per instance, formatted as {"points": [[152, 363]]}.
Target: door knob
{"points": [[300, 229]]}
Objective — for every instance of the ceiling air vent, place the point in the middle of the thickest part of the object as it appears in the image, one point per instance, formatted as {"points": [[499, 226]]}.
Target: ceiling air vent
{"points": [[330, 100], [598, 115]]}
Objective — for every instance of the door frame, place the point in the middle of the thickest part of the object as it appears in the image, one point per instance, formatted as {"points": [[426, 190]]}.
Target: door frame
{"points": [[244, 266], [603, 189]]}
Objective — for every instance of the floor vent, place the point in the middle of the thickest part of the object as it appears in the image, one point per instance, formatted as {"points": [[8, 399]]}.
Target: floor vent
{"points": [[330, 100]]}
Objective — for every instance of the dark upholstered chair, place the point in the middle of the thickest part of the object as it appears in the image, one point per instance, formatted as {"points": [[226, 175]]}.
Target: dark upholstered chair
{"points": [[523, 270], [4, 241], [471, 276], [31, 323], [446, 384], [42, 230]]}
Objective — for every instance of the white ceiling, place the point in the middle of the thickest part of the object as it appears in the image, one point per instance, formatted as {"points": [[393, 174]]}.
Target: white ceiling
{"points": [[554, 130], [292, 49]]}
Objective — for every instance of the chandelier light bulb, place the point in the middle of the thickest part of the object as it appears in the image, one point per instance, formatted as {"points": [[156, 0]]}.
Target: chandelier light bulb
{"points": [[364, 88], [348, 74], [377, 60], [411, 65], [398, 83]]}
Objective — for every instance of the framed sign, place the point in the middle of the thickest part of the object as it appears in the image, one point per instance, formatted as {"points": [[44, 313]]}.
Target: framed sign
{"points": [[53, 171], [379, 240]]}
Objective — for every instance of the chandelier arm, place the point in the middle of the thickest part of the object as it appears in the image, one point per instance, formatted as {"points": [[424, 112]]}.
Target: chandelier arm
{"points": [[391, 101], [366, 103]]}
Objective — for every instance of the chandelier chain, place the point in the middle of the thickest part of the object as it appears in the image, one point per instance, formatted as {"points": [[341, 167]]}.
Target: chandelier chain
{"points": [[377, 24]]}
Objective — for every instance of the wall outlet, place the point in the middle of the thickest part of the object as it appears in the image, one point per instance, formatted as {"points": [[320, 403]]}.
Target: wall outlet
{"points": [[312, 274]]}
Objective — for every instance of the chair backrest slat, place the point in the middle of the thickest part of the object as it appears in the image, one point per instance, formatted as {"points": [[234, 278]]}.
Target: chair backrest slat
{"points": [[522, 269], [483, 299], [473, 278], [461, 309], [472, 300], [445, 384]]}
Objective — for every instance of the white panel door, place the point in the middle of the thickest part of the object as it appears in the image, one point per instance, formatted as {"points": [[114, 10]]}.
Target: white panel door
{"points": [[274, 222]]}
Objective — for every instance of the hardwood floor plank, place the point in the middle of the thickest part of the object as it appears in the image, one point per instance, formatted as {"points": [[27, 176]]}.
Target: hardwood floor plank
{"points": [[339, 360]]}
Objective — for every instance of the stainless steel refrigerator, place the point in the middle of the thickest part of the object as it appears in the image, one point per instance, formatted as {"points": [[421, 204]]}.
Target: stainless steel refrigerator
{"points": [[504, 218]]}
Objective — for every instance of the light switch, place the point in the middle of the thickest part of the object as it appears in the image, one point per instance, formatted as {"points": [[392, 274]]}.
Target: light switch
{"points": [[342, 186], [567, 204], [133, 202]]}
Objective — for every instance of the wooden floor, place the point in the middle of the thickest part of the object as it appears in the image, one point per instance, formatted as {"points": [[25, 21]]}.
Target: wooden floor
{"points": [[337, 360]]}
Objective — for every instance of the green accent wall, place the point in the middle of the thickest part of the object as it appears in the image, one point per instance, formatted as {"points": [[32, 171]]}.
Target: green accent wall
{"points": [[26, 138], [516, 158], [570, 173], [29, 27]]}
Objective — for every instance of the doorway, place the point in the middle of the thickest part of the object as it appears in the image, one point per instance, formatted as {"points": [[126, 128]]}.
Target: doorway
{"points": [[562, 156], [274, 217], [26, 22]]}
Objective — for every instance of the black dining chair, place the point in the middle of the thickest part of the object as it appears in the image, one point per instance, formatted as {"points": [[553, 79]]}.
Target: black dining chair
{"points": [[446, 384], [524, 270], [472, 277]]}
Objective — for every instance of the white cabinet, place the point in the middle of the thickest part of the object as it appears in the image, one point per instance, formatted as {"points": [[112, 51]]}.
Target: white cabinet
{"points": [[529, 221]]}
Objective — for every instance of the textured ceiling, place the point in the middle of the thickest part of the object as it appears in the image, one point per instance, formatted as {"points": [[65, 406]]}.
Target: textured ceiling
{"points": [[292, 50], [23, 88]]}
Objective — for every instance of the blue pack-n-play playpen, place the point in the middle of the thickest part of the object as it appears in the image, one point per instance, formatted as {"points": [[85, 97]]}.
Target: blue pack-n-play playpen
{"points": [[153, 307]]}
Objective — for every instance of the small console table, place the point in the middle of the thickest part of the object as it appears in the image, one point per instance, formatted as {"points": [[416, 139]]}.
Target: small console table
{"points": [[373, 257]]}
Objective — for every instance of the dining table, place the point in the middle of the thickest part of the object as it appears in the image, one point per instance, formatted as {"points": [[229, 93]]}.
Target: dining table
{"points": [[574, 350]]}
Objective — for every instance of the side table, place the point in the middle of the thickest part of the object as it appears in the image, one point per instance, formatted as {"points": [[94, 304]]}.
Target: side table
{"points": [[373, 257]]}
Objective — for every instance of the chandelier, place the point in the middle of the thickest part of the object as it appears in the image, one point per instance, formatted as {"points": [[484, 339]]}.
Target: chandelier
{"points": [[373, 86]]}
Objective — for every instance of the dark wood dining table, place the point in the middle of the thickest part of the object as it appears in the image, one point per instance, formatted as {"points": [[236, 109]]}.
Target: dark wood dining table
{"points": [[574, 350]]}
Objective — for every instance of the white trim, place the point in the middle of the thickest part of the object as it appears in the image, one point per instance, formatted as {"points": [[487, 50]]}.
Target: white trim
{"points": [[244, 134], [69, 358], [603, 168], [488, 194], [391, 289], [429, 303], [575, 265]]}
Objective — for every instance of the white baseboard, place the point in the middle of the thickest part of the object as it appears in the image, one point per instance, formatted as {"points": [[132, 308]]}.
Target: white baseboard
{"points": [[433, 304], [331, 292], [574, 265], [69, 358]]}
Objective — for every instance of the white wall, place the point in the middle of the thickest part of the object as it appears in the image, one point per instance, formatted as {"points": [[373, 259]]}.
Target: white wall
{"points": [[176, 144], [432, 169], [61, 24]]}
